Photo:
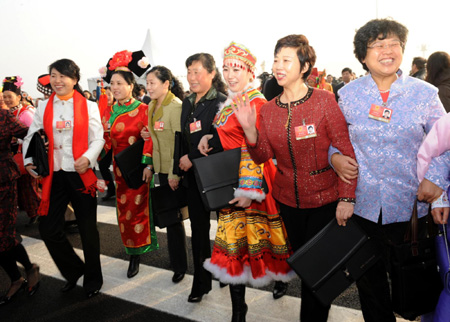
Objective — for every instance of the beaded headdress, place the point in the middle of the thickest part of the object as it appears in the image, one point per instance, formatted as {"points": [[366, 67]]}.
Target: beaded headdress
{"points": [[236, 55]]}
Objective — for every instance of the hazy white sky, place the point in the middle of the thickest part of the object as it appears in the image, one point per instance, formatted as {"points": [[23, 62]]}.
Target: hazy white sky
{"points": [[37, 32]]}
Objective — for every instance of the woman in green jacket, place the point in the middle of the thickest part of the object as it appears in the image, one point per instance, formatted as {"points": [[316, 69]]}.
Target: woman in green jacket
{"points": [[167, 93]]}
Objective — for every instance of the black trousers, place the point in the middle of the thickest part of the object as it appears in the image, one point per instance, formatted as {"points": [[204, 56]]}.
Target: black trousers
{"points": [[201, 245], [373, 286], [66, 188], [9, 259], [103, 166], [301, 225], [176, 239]]}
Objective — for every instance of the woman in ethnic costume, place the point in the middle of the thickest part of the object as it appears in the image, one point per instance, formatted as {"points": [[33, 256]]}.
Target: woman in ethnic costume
{"points": [[251, 243], [166, 93], [105, 158], [128, 117], [10, 248], [75, 139], [27, 186]]}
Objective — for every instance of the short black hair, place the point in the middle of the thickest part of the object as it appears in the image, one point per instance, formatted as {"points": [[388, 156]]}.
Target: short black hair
{"points": [[142, 87], [347, 69], [68, 68], [305, 52], [420, 62], [377, 29]]}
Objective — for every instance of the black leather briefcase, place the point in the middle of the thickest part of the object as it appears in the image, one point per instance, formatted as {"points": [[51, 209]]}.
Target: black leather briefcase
{"points": [[333, 259], [37, 151], [130, 164], [217, 177], [169, 207]]}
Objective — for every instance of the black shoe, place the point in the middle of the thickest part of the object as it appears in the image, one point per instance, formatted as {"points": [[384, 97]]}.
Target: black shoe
{"points": [[33, 220], [6, 299], [133, 268], [239, 316], [280, 289], [109, 194], [195, 298], [91, 294], [70, 285], [33, 275], [222, 285], [177, 277]]}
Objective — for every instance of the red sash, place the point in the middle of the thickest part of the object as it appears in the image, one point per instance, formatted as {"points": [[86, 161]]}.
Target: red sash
{"points": [[79, 146]]}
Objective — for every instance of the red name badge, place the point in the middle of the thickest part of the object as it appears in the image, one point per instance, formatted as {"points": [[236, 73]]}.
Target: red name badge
{"points": [[63, 125], [159, 126], [195, 126], [380, 113], [305, 131]]}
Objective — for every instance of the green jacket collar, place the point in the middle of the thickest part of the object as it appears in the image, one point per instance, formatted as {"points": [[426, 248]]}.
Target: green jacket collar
{"points": [[210, 95]]}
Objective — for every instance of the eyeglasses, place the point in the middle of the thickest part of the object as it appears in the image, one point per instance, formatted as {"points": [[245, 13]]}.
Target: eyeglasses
{"points": [[396, 44]]}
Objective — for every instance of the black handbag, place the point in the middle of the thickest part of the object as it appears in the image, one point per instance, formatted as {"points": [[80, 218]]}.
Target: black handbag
{"points": [[177, 155], [333, 259], [416, 284], [169, 207], [217, 177], [130, 165], [37, 151]]}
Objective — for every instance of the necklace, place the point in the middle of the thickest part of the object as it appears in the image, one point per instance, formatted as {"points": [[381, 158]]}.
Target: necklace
{"points": [[384, 92]]}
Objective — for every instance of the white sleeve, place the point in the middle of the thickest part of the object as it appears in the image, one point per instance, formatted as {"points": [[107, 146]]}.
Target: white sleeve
{"points": [[96, 141]]}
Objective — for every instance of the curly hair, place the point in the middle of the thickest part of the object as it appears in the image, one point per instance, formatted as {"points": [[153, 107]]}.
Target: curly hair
{"points": [[436, 63], [305, 52], [164, 74], [377, 29], [209, 64]]}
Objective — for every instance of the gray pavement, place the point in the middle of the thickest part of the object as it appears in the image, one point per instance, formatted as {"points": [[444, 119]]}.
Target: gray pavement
{"points": [[150, 295]]}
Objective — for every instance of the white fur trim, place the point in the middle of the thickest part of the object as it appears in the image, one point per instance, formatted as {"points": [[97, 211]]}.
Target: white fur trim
{"points": [[251, 194], [246, 277]]}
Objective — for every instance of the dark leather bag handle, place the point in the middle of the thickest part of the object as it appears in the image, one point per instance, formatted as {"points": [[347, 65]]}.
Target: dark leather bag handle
{"points": [[414, 230], [412, 233]]}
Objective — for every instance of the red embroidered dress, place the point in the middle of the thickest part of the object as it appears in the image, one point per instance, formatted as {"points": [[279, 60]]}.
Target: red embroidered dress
{"points": [[133, 205], [251, 244], [27, 187]]}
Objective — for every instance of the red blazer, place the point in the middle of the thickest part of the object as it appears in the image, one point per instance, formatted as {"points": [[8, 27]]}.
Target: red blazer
{"points": [[304, 178]]}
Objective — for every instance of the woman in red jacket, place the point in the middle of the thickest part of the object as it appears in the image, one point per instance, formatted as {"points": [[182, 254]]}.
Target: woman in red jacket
{"points": [[297, 127]]}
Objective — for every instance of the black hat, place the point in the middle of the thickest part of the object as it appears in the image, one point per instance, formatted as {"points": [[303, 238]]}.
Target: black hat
{"points": [[43, 85], [13, 84], [125, 60]]}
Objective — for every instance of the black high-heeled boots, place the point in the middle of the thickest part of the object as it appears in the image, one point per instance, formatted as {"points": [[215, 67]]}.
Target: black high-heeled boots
{"points": [[133, 268], [237, 293]]}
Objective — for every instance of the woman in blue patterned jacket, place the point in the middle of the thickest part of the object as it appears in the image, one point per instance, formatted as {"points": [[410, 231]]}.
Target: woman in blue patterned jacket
{"points": [[386, 150]]}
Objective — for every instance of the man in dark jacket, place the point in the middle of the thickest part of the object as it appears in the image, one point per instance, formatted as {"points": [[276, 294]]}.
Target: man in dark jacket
{"points": [[418, 68]]}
